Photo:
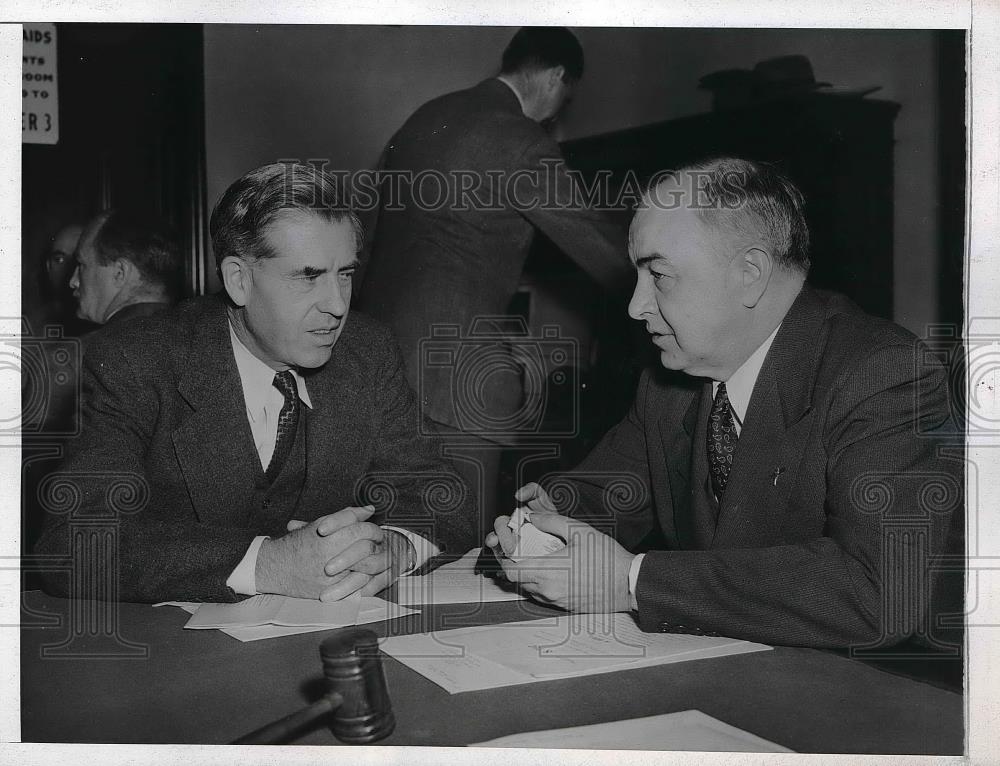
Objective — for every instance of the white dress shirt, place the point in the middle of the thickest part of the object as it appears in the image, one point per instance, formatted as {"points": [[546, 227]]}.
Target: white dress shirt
{"points": [[263, 406], [739, 388]]}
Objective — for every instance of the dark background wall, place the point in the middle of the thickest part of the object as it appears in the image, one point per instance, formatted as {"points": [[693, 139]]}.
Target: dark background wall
{"points": [[339, 92]]}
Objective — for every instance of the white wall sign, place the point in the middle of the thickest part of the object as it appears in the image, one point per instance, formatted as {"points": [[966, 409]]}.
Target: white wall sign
{"points": [[39, 90]]}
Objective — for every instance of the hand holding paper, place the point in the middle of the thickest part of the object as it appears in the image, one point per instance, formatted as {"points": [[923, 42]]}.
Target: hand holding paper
{"points": [[590, 574], [534, 498], [529, 539]]}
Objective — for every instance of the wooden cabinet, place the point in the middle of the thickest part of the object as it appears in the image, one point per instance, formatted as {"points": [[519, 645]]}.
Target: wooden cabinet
{"points": [[838, 150]]}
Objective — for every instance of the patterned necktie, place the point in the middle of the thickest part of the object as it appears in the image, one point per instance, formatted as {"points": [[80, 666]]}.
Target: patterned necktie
{"points": [[722, 438], [288, 421]]}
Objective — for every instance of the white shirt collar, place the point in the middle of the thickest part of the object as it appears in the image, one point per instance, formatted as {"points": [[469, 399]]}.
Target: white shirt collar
{"points": [[740, 385], [513, 90], [258, 378]]}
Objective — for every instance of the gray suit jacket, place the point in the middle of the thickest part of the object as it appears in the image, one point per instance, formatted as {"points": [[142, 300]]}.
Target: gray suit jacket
{"points": [[164, 408], [450, 263], [840, 491]]}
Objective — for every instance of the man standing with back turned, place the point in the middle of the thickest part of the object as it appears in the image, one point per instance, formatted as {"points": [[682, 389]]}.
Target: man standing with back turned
{"points": [[447, 264], [794, 469]]}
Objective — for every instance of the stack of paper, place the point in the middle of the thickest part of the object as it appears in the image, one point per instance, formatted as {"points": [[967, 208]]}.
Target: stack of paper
{"points": [[686, 730], [454, 583], [486, 657], [270, 616]]}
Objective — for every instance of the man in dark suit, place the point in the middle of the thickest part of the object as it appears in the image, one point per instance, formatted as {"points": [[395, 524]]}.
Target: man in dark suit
{"points": [[126, 266], [250, 428], [485, 153], [792, 469]]}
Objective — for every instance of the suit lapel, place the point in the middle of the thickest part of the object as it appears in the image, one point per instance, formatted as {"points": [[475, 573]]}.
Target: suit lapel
{"points": [[675, 436], [334, 393], [775, 425], [213, 445]]}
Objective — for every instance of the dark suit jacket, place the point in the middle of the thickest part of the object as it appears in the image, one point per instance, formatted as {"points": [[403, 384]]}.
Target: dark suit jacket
{"points": [[123, 315], [164, 404], [838, 494], [135, 310], [464, 259]]}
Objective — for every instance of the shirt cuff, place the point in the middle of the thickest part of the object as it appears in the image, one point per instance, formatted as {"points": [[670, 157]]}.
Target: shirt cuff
{"points": [[423, 548], [633, 578], [243, 580]]}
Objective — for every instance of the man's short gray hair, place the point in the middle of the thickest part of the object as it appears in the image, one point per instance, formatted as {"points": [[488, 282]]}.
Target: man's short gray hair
{"points": [[748, 199]]}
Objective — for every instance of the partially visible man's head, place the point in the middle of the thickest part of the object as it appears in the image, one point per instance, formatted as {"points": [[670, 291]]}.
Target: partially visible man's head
{"points": [[123, 258], [547, 62], [286, 244], [59, 259], [721, 248]]}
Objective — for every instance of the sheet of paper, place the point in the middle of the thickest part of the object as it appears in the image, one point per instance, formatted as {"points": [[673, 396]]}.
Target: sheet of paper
{"points": [[454, 583], [686, 730], [269, 609], [373, 609], [188, 606], [256, 610], [567, 646], [531, 541], [309, 612]]}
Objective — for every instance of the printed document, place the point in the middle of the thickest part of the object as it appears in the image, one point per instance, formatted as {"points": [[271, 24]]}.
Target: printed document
{"points": [[567, 646], [454, 583]]}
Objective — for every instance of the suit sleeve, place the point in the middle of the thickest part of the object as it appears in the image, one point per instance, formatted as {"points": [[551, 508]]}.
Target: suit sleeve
{"points": [[410, 486], [121, 541], [556, 204], [611, 489], [865, 582]]}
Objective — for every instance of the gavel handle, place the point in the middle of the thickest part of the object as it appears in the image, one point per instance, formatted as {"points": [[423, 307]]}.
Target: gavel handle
{"points": [[287, 727]]}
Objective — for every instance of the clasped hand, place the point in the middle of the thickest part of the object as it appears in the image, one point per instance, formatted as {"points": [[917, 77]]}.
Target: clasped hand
{"points": [[589, 575], [332, 557]]}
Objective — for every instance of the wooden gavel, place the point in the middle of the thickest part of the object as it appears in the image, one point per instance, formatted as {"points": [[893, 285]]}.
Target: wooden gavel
{"points": [[356, 703]]}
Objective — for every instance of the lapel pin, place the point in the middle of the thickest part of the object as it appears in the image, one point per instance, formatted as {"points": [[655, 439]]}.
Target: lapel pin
{"points": [[774, 476]]}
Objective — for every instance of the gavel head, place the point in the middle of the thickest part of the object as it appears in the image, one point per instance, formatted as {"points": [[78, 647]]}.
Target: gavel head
{"points": [[353, 671]]}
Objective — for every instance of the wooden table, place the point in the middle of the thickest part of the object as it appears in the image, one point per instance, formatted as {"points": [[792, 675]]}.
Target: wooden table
{"points": [[205, 687]]}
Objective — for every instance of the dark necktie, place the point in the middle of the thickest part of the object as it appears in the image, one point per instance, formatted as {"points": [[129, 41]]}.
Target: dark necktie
{"points": [[288, 421], [722, 438]]}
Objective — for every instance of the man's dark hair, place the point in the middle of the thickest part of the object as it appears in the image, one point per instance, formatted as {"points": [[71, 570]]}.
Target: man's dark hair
{"points": [[746, 196], [144, 240], [250, 204], [543, 48]]}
